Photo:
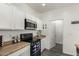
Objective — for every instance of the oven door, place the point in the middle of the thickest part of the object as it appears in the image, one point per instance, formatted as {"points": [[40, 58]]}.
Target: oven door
{"points": [[28, 37]]}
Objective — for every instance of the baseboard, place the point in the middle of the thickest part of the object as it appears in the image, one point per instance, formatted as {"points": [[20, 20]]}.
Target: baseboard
{"points": [[49, 47]]}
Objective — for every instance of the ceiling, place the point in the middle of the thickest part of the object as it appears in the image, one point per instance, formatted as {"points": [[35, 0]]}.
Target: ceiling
{"points": [[49, 6]]}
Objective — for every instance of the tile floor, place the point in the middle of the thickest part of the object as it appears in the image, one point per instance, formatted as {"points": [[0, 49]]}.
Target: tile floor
{"points": [[55, 51]]}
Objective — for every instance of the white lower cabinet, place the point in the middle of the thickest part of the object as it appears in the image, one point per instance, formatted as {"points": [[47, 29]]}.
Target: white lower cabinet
{"points": [[43, 43], [26, 52], [22, 52]]}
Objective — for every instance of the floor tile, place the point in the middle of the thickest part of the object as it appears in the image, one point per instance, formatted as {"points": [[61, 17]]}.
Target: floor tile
{"points": [[55, 51]]}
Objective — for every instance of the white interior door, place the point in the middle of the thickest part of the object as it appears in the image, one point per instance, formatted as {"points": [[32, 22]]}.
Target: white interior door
{"points": [[52, 34], [59, 31]]}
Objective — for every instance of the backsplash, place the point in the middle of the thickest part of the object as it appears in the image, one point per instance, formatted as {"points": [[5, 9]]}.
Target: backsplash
{"points": [[7, 35]]}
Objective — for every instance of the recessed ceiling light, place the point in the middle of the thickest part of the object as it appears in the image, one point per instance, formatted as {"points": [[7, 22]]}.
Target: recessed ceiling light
{"points": [[43, 4]]}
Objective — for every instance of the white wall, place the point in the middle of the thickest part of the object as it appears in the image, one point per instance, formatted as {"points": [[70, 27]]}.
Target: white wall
{"points": [[70, 32], [51, 35]]}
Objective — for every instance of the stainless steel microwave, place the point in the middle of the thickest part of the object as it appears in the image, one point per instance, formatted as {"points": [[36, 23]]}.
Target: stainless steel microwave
{"points": [[30, 25]]}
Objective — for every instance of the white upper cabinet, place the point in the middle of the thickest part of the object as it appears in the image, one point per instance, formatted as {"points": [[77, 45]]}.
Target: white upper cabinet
{"points": [[39, 24], [18, 19], [11, 17], [4, 16]]}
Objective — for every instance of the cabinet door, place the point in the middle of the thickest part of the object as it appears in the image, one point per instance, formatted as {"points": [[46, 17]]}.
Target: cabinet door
{"points": [[4, 16], [18, 53], [11, 17], [22, 52], [39, 24], [42, 45], [26, 52], [18, 20]]}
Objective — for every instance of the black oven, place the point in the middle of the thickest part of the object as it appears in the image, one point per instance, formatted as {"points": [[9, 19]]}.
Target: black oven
{"points": [[27, 37], [35, 46]]}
